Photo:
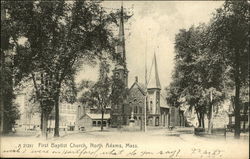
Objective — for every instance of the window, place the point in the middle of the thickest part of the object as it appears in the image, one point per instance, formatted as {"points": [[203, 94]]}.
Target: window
{"points": [[104, 123], [157, 121], [135, 109], [140, 110], [99, 123], [151, 106], [94, 123]]}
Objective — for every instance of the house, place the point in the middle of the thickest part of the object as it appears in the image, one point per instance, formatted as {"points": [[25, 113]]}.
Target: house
{"points": [[90, 120]]}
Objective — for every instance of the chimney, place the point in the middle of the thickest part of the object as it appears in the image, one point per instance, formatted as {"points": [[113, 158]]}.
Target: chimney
{"points": [[136, 78]]}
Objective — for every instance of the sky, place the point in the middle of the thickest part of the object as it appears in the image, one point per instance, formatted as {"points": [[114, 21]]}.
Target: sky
{"points": [[152, 29]]}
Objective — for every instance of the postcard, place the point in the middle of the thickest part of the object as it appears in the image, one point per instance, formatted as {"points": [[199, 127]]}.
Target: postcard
{"points": [[124, 79]]}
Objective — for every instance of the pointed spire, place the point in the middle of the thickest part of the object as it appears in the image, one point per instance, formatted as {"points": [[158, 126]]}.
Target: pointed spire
{"points": [[121, 45], [154, 81]]}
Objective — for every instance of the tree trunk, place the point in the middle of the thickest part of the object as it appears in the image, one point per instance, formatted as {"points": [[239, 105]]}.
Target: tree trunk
{"points": [[202, 120], [2, 94], [41, 125], [56, 132], [209, 127], [179, 114], [237, 96], [244, 120], [102, 120], [56, 99], [210, 116], [199, 119], [45, 125], [4, 46]]}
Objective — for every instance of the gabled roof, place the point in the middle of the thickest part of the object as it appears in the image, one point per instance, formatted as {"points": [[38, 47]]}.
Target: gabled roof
{"points": [[154, 81], [140, 86]]}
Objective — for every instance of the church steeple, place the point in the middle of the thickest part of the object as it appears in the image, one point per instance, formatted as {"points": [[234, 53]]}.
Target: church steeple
{"points": [[120, 71], [154, 81], [120, 49]]}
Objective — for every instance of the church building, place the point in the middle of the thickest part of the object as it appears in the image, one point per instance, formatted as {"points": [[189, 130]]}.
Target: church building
{"points": [[141, 98], [157, 109]]}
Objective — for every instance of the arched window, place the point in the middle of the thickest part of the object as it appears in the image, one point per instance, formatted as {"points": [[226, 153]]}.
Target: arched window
{"points": [[135, 109]]}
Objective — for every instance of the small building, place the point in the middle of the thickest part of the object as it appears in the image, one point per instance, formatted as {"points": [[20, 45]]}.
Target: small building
{"points": [[90, 120]]}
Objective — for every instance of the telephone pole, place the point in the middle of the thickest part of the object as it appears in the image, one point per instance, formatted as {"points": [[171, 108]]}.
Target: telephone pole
{"points": [[145, 103]]}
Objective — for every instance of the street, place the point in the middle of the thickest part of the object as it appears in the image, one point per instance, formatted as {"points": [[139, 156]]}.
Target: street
{"points": [[163, 143]]}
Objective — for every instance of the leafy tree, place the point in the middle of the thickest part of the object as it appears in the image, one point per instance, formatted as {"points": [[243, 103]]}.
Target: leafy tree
{"points": [[229, 42], [195, 74], [97, 95], [9, 111], [213, 58], [103, 88], [104, 92], [187, 73], [60, 37]]}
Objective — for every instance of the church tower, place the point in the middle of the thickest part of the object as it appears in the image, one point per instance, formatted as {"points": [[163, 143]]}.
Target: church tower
{"points": [[154, 90], [120, 71]]}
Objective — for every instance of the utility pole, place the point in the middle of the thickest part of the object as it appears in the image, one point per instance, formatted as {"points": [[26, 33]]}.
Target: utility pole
{"points": [[146, 83], [211, 113]]}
